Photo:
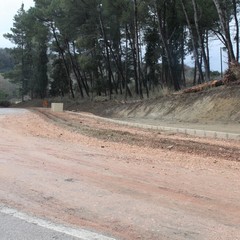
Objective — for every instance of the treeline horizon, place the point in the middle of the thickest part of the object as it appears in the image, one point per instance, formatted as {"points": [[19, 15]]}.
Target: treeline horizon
{"points": [[104, 47]]}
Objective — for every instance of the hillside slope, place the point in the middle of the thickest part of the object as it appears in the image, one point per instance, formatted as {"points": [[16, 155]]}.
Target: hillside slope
{"points": [[220, 105], [216, 105]]}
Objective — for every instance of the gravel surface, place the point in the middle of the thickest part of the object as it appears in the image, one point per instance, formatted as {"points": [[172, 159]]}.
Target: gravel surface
{"points": [[125, 182]]}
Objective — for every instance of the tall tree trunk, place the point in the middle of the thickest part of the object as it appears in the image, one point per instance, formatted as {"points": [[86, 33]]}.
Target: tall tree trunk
{"points": [[237, 28], [127, 90], [74, 68], [108, 55], [224, 21], [22, 72], [64, 60], [78, 70], [195, 48], [200, 36], [120, 70], [133, 50], [207, 50], [183, 78], [137, 52], [169, 58]]}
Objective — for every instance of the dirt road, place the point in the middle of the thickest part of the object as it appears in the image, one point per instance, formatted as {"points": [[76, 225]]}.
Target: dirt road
{"points": [[125, 182]]}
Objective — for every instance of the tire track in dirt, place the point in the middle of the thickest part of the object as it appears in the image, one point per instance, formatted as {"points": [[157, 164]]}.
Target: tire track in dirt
{"points": [[145, 138]]}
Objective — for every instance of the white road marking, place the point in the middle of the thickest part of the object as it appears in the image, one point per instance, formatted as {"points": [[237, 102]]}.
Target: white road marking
{"points": [[79, 233]]}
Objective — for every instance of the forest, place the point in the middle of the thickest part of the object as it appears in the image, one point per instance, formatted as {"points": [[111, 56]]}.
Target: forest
{"points": [[86, 48]]}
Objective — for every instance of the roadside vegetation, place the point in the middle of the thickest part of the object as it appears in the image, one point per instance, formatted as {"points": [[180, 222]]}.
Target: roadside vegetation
{"points": [[127, 48], [9, 92]]}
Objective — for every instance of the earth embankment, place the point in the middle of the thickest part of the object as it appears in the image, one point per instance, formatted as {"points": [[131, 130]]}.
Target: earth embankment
{"points": [[219, 105]]}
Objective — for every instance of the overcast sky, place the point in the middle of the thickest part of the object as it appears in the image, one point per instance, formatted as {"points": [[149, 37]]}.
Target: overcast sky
{"points": [[215, 59], [10, 7], [7, 11]]}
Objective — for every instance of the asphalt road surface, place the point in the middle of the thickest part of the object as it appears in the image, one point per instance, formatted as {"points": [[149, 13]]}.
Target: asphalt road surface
{"points": [[8, 111], [15, 225], [12, 228]]}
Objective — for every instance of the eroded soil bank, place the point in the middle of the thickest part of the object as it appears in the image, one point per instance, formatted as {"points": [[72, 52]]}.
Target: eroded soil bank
{"points": [[219, 105]]}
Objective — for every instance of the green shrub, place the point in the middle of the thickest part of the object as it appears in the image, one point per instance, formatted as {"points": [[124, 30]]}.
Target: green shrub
{"points": [[5, 103]]}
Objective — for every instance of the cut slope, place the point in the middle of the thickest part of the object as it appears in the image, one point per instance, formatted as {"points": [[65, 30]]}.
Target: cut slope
{"points": [[220, 104]]}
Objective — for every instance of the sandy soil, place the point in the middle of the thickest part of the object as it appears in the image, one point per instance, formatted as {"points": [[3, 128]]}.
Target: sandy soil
{"points": [[125, 182]]}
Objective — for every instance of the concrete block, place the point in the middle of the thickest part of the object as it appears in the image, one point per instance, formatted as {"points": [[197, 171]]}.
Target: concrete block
{"points": [[181, 130], [191, 132], [200, 133], [234, 136], [57, 107], [211, 134], [221, 135]]}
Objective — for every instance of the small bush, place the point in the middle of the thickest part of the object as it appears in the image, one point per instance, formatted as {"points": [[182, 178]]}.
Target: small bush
{"points": [[5, 103]]}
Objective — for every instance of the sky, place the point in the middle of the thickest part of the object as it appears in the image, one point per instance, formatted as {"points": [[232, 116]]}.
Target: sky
{"points": [[7, 11], [10, 8], [215, 57]]}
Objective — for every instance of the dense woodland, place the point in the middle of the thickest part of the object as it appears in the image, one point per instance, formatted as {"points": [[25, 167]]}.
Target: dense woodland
{"points": [[126, 47]]}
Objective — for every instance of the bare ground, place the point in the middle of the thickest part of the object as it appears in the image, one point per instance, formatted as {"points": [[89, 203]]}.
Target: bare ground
{"points": [[219, 105], [125, 182]]}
